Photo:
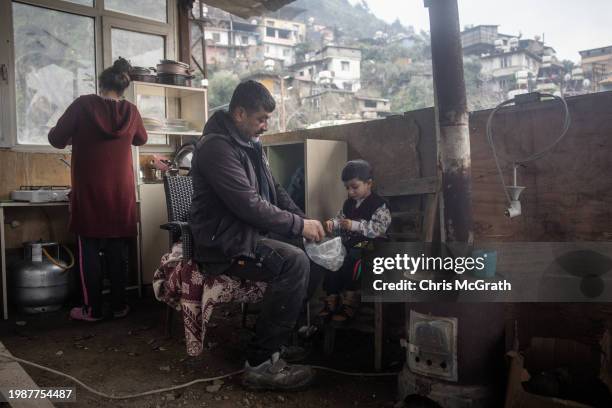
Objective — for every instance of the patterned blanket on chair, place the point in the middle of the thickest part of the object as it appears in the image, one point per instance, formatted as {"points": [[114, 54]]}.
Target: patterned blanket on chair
{"points": [[182, 286]]}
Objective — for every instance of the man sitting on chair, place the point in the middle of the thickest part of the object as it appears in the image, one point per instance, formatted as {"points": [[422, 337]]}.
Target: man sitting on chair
{"points": [[236, 206]]}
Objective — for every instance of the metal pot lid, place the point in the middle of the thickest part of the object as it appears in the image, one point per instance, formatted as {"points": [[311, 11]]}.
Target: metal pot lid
{"points": [[172, 62], [183, 157], [140, 71]]}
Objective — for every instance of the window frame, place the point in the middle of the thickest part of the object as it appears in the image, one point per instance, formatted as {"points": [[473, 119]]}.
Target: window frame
{"points": [[369, 103], [104, 21]]}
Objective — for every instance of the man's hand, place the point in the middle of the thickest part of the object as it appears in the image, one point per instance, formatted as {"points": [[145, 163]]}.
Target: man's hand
{"points": [[329, 227], [346, 224], [313, 230]]}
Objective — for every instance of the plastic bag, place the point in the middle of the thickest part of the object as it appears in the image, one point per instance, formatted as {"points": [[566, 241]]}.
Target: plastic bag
{"points": [[328, 253]]}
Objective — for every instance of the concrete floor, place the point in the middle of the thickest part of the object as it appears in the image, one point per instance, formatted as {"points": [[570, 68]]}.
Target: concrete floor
{"points": [[131, 355]]}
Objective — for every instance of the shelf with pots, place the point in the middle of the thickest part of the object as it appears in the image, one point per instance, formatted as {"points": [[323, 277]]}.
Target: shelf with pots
{"points": [[163, 96], [173, 115], [170, 102]]}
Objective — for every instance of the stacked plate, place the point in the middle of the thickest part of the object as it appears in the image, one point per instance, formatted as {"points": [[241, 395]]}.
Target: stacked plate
{"points": [[152, 124], [178, 125], [166, 125]]}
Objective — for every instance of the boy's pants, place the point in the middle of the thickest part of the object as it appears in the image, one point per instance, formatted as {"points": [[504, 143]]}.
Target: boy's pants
{"points": [[342, 279], [99, 255]]}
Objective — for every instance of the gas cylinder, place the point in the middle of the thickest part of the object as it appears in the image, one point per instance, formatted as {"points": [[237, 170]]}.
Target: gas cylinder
{"points": [[40, 282]]}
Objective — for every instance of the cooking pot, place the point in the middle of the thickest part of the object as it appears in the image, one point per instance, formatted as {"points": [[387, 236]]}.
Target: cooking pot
{"points": [[143, 74], [173, 67], [174, 79]]}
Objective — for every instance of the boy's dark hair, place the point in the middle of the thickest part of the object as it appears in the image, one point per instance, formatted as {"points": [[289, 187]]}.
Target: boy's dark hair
{"points": [[359, 169], [117, 77], [252, 96]]}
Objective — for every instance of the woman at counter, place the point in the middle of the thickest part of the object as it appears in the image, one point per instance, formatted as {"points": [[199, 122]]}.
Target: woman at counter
{"points": [[101, 129]]}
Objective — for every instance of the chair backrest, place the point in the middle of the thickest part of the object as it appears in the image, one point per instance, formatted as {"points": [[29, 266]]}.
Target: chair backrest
{"points": [[179, 192], [410, 224]]}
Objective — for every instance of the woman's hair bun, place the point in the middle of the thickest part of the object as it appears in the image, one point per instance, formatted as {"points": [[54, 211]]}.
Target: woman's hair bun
{"points": [[117, 77], [121, 65]]}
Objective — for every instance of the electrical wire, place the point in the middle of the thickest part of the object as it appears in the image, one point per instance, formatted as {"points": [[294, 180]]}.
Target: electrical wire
{"points": [[333, 370], [176, 387], [535, 156]]}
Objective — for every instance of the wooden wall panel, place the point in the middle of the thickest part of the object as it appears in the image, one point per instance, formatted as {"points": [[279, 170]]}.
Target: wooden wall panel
{"points": [[488, 199], [569, 191], [21, 168], [47, 223]]}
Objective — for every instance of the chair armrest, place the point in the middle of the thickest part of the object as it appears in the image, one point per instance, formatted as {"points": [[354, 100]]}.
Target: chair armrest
{"points": [[180, 230], [170, 226], [175, 225], [182, 225]]}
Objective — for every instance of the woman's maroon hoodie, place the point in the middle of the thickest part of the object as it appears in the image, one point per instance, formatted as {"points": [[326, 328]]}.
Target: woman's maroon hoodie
{"points": [[101, 132]]}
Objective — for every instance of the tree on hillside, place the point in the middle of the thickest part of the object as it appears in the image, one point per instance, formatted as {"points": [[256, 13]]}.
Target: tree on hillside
{"points": [[220, 88], [353, 21], [417, 94], [478, 88]]}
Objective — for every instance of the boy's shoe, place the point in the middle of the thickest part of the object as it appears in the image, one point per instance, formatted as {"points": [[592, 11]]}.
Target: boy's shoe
{"points": [[276, 374], [348, 308], [83, 313], [330, 305], [121, 313], [293, 354]]}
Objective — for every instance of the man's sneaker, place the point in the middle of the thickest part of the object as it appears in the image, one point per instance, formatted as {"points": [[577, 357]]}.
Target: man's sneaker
{"points": [[276, 374], [293, 354], [83, 313], [118, 314]]}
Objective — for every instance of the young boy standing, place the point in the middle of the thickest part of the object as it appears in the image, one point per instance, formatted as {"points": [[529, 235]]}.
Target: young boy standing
{"points": [[364, 216]]}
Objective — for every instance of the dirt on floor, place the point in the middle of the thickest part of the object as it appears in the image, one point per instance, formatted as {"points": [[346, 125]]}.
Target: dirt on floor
{"points": [[132, 355]]}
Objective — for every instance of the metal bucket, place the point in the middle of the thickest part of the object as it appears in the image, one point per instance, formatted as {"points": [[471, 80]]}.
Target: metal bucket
{"points": [[36, 284]]}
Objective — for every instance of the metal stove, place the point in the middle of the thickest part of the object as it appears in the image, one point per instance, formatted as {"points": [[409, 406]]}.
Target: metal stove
{"points": [[451, 353], [41, 194]]}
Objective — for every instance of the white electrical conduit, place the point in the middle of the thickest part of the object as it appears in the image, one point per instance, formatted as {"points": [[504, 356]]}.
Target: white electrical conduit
{"points": [[176, 387], [535, 156]]}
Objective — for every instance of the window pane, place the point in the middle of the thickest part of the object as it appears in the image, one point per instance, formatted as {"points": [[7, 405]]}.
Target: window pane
{"points": [[89, 3], [151, 9], [143, 50], [54, 64]]}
